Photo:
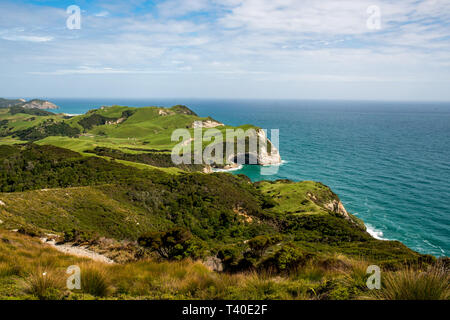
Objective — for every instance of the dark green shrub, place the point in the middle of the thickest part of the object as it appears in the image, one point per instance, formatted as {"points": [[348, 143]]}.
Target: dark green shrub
{"points": [[95, 120], [29, 231], [46, 129], [78, 236], [333, 290], [157, 158], [31, 111], [259, 244], [173, 244], [230, 256], [286, 259]]}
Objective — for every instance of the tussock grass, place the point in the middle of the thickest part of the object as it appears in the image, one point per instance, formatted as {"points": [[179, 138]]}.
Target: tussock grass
{"points": [[94, 279], [8, 269], [45, 284], [410, 284]]}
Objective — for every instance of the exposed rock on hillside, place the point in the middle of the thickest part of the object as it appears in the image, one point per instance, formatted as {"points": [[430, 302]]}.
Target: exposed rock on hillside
{"points": [[207, 124], [38, 104], [337, 207]]}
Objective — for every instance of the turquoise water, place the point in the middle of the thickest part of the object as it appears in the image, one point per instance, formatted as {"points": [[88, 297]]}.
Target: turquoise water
{"points": [[388, 162]]}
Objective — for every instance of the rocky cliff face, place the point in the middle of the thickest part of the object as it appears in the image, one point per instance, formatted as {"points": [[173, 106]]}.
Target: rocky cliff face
{"points": [[337, 207], [264, 158]]}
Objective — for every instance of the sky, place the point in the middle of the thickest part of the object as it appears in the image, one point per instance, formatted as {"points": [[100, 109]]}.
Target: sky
{"points": [[282, 49]]}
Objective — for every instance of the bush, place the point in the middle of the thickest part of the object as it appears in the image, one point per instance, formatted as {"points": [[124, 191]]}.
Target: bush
{"points": [[260, 244], [229, 256], [173, 244], [78, 236], [29, 231], [287, 259]]}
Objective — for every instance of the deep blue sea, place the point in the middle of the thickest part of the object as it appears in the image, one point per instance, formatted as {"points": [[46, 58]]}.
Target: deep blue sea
{"points": [[389, 162]]}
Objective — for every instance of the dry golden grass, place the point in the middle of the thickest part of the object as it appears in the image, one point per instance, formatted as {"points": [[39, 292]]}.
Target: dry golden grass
{"points": [[45, 283], [410, 284], [95, 279]]}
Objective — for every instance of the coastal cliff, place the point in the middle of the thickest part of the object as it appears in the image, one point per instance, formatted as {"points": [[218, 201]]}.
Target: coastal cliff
{"points": [[264, 157], [266, 153]]}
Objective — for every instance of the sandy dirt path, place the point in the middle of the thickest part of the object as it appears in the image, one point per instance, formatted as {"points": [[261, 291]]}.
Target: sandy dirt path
{"points": [[79, 251]]}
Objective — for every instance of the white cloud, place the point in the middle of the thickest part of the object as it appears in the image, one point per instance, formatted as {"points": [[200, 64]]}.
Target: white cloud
{"points": [[102, 14], [26, 38]]}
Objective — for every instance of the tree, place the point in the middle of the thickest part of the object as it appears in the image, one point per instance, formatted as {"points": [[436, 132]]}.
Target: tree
{"points": [[171, 244]]}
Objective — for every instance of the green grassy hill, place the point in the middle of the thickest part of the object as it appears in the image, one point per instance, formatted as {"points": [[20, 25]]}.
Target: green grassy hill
{"points": [[128, 130]]}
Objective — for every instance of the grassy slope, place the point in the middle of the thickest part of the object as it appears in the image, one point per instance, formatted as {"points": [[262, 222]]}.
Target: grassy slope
{"points": [[292, 198], [32, 270], [83, 208]]}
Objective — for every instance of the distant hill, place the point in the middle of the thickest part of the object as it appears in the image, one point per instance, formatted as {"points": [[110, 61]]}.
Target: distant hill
{"points": [[6, 103], [34, 103]]}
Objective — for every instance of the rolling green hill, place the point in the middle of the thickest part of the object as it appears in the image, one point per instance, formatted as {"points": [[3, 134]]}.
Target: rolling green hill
{"points": [[126, 131]]}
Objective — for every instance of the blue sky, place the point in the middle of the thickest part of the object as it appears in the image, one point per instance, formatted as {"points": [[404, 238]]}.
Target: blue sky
{"points": [[227, 49]]}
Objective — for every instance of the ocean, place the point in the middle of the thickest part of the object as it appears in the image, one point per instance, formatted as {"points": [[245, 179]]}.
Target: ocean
{"points": [[389, 162]]}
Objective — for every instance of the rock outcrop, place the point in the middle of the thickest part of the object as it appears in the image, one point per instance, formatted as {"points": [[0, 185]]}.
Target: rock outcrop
{"points": [[165, 112], [37, 104], [213, 264], [337, 207], [206, 124], [118, 121]]}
